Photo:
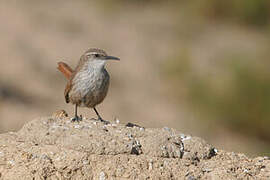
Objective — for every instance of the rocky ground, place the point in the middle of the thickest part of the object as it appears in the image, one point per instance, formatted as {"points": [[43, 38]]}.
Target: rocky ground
{"points": [[56, 148]]}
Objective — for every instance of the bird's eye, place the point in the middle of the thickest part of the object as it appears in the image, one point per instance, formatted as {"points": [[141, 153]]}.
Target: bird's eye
{"points": [[97, 55]]}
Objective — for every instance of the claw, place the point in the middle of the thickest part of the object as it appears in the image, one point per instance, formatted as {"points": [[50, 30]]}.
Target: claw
{"points": [[104, 121], [76, 118]]}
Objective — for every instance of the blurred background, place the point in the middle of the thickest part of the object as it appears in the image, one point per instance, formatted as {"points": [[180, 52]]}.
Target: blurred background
{"points": [[202, 68]]}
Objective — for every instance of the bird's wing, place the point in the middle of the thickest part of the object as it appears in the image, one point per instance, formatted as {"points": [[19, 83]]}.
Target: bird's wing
{"points": [[70, 76], [67, 89]]}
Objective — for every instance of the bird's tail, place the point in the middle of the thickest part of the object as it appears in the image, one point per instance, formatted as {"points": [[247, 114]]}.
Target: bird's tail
{"points": [[65, 69]]}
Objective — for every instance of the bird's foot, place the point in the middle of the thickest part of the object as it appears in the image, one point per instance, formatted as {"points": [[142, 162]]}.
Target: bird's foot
{"points": [[103, 121], [76, 119]]}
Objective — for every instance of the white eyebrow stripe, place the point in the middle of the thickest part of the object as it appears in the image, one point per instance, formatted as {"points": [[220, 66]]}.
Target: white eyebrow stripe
{"points": [[91, 53]]}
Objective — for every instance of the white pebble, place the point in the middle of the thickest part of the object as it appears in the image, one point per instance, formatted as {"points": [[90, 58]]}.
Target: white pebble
{"points": [[184, 137], [85, 162], [150, 164], [102, 176], [11, 162], [77, 126]]}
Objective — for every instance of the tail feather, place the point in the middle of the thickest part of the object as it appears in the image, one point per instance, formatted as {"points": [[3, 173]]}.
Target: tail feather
{"points": [[65, 69]]}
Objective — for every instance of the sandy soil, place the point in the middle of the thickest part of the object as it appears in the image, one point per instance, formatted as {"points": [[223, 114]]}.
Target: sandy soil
{"points": [[56, 148]]}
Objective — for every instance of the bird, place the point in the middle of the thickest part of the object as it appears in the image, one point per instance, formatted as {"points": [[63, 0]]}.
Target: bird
{"points": [[89, 82]]}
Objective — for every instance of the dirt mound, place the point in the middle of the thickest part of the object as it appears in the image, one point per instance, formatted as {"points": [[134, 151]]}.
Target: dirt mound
{"points": [[56, 148]]}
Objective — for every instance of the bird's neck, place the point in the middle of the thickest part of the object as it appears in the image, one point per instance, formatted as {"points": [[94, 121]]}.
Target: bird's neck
{"points": [[95, 66]]}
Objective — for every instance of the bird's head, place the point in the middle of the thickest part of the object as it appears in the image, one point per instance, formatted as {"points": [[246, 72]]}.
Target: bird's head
{"points": [[97, 57]]}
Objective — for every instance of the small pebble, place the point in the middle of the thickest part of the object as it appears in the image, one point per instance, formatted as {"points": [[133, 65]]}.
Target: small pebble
{"points": [[150, 164], [191, 178], [130, 136], [167, 128], [113, 125], [102, 176], [85, 162], [77, 126], [11, 162], [34, 156], [60, 114], [184, 137], [118, 131], [207, 170], [45, 156]]}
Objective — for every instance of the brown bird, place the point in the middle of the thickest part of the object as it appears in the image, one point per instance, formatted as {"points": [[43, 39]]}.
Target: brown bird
{"points": [[88, 84]]}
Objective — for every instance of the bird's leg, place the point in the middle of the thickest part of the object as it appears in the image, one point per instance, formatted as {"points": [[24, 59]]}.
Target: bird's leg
{"points": [[99, 117], [76, 117]]}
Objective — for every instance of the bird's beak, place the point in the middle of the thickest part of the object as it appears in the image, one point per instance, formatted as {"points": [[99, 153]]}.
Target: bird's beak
{"points": [[112, 58]]}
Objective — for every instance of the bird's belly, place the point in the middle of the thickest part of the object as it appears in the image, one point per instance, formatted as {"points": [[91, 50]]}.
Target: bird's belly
{"points": [[96, 95], [90, 91]]}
